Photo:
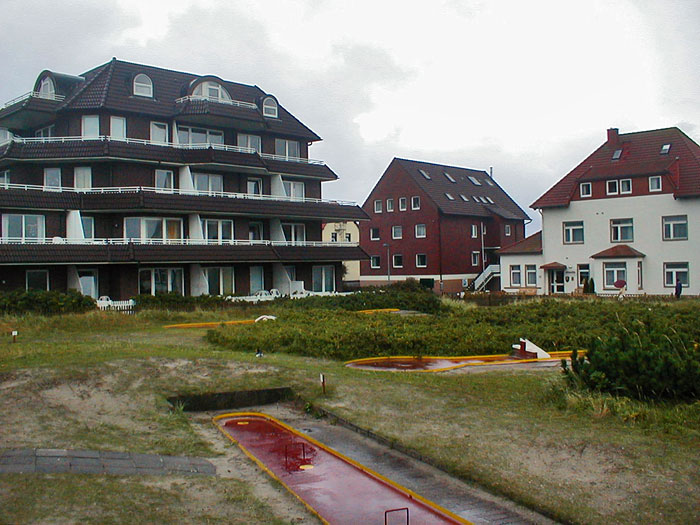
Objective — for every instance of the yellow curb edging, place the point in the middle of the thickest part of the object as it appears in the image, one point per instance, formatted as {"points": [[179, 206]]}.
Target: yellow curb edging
{"points": [[377, 311]]}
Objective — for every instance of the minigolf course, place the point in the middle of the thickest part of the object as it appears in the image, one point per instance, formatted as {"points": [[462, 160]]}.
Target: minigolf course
{"points": [[332, 486]]}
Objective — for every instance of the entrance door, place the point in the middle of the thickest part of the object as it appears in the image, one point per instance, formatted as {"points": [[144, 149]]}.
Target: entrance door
{"points": [[556, 281], [88, 283]]}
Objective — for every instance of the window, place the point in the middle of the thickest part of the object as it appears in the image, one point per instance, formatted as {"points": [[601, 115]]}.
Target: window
{"points": [[255, 231], [37, 279], [420, 231], [88, 283], [390, 205], [396, 232], [421, 260], [483, 229], [270, 108], [584, 273], [220, 280], [294, 189], [164, 179], [507, 230], [475, 258], [474, 180], [160, 132], [154, 230], [665, 149], [257, 279], [208, 182], [82, 177], [585, 189], [675, 228], [287, 148], [573, 232], [676, 272], [621, 230], [188, 135], [217, 231], [475, 231], [449, 197], [611, 187], [52, 178], [415, 202], [143, 87], [425, 174], [294, 232], [625, 186], [374, 234], [5, 135], [397, 260], [156, 281], [334, 237], [348, 237], [88, 227], [90, 126], [530, 275], [48, 131], [617, 154], [47, 88], [255, 187], [249, 141], [25, 228], [655, 183], [378, 206], [449, 177], [211, 91], [640, 275], [614, 271], [117, 127], [291, 272], [323, 278], [515, 275], [402, 203], [4, 178], [375, 261]]}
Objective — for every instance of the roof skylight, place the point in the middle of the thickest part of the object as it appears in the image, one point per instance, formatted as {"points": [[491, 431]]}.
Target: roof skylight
{"points": [[665, 149], [490, 200], [449, 177], [474, 180], [464, 198], [483, 199], [617, 154], [424, 173], [450, 197], [476, 199], [489, 182]]}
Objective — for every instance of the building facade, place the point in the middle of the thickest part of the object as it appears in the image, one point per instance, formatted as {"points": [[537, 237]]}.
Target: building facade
{"points": [[345, 232], [134, 179], [629, 212], [431, 221]]}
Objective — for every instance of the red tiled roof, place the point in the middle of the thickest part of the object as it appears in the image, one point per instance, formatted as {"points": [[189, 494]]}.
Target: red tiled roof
{"points": [[553, 266], [439, 185], [621, 251], [529, 245], [640, 156]]}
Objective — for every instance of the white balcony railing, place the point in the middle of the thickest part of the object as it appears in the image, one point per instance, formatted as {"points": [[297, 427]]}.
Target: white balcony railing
{"points": [[119, 241], [32, 94], [144, 142], [173, 191], [238, 103]]}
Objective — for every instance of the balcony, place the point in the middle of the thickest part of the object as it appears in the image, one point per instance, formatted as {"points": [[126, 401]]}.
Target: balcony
{"points": [[129, 149], [30, 110], [59, 250], [120, 199]]}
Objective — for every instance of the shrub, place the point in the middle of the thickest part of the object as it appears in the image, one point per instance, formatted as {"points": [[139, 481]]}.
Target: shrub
{"points": [[44, 302], [187, 303]]}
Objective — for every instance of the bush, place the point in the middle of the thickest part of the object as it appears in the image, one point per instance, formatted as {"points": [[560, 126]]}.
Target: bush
{"points": [[645, 364], [45, 302], [186, 303]]}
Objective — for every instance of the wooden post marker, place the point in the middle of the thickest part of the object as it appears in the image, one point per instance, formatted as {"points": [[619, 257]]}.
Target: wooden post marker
{"points": [[323, 383], [14, 336]]}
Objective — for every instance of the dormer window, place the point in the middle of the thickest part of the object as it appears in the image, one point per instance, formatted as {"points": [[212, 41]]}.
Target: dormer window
{"points": [[211, 91], [269, 107], [46, 88], [665, 149], [617, 154], [585, 190], [143, 86]]}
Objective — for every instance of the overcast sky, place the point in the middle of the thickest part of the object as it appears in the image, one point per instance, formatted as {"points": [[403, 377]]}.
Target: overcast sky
{"points": [[528, 87]]}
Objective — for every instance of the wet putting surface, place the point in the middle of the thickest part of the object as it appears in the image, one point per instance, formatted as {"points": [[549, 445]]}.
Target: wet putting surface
{"points": [[339, 491]]}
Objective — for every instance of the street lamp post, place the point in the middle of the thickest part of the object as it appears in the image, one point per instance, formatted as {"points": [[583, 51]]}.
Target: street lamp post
{"points": [[388, 264]]}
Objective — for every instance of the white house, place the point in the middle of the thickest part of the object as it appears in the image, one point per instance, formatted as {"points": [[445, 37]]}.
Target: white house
{"points": [[629, 212]]}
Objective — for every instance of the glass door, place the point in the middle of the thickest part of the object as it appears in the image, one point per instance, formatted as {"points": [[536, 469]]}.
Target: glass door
{"points": [[257, 279], [88, 283]]}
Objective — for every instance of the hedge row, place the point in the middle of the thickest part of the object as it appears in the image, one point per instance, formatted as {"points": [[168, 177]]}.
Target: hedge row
{"points": [[44, 302]]}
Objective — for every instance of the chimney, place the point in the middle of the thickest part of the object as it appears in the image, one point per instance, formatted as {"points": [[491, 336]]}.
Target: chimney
{"points": [[613, 137]]}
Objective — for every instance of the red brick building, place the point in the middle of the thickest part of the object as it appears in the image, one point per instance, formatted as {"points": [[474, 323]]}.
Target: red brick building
{"points": [[135, 179], [430, 221]]}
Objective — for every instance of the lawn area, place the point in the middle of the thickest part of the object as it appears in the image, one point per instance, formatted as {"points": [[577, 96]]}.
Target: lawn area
{"points": [[100, 381]]}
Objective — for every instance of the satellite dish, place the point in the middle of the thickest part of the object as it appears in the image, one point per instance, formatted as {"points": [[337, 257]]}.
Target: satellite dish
{"points": [[620, 283]]}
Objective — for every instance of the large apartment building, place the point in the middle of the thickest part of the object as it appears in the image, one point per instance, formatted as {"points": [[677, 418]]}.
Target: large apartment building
{"points": [[436, 222], [133, 179], [629, 212]]}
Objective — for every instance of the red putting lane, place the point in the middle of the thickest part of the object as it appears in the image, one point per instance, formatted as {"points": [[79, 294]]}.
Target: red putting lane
{"points": [[336, 488]]}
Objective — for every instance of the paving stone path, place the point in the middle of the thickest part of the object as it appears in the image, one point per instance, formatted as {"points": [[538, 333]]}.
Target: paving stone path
{"points": [[53, 460]]}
